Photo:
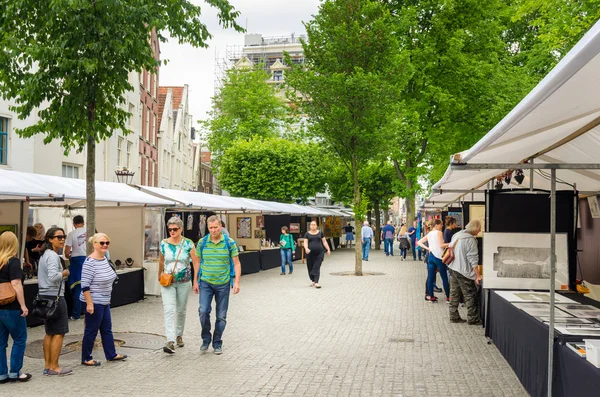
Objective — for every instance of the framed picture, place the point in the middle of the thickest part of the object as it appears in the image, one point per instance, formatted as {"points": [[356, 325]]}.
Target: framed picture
{"points": [[294, 228], [9, 228], [260, 222], [259, 234], [244, 227]]}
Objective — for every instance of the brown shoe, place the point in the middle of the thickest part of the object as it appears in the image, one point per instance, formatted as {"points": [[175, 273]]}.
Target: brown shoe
{"points": [[180, 342]]}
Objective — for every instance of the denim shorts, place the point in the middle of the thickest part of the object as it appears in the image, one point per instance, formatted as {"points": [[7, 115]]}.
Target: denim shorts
{"points": [[59, 325]]}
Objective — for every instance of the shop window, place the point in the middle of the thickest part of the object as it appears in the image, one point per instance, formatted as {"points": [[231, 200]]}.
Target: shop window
{"points": [[3, 141]]}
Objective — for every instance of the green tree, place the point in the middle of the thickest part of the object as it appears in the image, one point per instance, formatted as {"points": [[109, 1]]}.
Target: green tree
{"points": [[379, 183], [350, 84], [246, 107], [273, 169], [463, 82], [71, 59]]}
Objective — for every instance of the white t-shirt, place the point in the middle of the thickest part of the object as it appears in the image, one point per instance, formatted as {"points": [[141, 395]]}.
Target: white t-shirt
{"points": [[76, 240], [435, 240]]}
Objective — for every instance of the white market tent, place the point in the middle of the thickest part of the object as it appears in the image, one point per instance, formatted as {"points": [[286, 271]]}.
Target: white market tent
{"points": [[557, 123], [58, 191]]}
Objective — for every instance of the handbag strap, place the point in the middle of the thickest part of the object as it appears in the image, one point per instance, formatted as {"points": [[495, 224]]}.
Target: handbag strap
{"points": [[177, 258]]}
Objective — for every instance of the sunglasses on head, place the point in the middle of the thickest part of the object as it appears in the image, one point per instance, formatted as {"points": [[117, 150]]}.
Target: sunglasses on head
{"points": [[103, 243], [61, 237], [171, 230]]}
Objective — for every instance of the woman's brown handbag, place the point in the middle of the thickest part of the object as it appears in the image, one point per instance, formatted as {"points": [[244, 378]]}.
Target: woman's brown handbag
{"points": [[7, 293], [166, 279], [448, 255]]}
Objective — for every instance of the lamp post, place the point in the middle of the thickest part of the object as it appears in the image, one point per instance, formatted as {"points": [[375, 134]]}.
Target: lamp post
{"points": [[124, 176]]}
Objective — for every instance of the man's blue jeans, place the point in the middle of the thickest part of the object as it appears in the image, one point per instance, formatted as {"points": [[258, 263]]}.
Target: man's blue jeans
{"points": [[75, 266], [286, 257], [221, 295], [366, 247], [389, 246], [11, 323], [414, 248], [434, 263]]}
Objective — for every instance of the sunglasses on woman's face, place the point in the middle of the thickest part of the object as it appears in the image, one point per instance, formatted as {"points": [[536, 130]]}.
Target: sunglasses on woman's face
{"points": [[103, 243], [171, 230], [60, 237]]}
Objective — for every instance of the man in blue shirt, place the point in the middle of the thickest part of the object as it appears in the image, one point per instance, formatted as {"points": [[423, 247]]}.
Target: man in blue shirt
{"points": [[367, 236], [412, 232], [387, 235]]}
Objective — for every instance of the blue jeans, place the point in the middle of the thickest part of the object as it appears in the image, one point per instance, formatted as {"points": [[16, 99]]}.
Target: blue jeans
{"points": [[75, 265], [99, 321], [403, 252], [366, 247], [221, 295], [434, 263], [414, 248], [389, 246], [286, 257], [11, 323]]}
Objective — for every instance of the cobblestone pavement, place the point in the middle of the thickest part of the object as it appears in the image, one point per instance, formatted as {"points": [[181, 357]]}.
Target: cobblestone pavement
{"points": [[357, 336]]}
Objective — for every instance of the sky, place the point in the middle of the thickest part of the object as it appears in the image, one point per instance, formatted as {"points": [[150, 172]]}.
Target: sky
{"points": [[196, 67]]}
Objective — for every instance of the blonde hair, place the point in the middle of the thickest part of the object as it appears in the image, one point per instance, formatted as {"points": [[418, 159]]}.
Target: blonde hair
{"points": [[403, 230], [9, 247], [98, 236]]}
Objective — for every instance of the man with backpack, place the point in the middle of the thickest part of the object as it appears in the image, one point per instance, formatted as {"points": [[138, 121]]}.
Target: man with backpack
{"points": [[219, 271]]}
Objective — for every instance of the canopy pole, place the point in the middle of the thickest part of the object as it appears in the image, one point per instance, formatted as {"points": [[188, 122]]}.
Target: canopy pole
{"points": [[552, 277], [531, 177]]}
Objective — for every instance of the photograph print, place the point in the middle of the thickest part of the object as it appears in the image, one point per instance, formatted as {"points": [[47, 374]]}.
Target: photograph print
{"points": [[522, 261], [244, 227]]}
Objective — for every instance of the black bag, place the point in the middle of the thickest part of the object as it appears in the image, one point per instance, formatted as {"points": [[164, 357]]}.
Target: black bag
{"points": [[45, 308]]}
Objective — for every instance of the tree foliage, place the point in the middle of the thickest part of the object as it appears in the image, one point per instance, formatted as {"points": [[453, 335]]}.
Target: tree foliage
{"points": [[350, 84], [246, 107], [72, 59], [272, 169]]}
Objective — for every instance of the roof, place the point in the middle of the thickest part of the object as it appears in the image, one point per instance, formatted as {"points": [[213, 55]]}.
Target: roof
{"points": [[558, 122], [177, 94], [162, 97]]}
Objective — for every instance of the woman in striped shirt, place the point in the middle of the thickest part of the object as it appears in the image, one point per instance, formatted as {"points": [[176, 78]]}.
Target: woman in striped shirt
{"points": [[97, 277]]}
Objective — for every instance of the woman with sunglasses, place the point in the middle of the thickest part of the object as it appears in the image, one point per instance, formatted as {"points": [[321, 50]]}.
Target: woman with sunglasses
{"points": [[51, 275], [176, 252], [97, 278]]}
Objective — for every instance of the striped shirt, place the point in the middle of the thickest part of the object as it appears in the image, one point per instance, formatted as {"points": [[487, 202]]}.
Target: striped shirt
{"points": [[215, 260], [97, 276]]}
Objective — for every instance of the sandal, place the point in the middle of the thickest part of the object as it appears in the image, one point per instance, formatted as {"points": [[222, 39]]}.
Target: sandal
{"points": [[317, 286], [119, 357], [91, 363], [21, 378], [63, 371]]}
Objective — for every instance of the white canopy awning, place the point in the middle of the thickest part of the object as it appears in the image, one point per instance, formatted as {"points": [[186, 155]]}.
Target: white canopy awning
{"points": [[22, 185], [557, 123]]}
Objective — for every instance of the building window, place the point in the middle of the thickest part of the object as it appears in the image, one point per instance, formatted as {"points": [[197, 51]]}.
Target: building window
{"points": [[278, 75], [70, 171], [131, 110], [3, 141], [147, 134], [120, 151], [129, 148]]}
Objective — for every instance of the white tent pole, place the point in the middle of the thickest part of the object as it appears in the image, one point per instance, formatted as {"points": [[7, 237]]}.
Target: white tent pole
{"points": [[531, 171], [552, 277]]}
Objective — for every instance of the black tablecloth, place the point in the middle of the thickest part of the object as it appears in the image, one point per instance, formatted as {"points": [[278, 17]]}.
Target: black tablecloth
{"points": [[523, 341], [270, 259], [250, 261], [577, 377]]}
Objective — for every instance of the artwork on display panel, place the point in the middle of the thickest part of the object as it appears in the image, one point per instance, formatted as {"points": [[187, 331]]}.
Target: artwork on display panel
{"points": [[259, 234], [566, 320], [260, 222], [477, 212], [581, 311], [540, 310], [533, 296], [458, 217], [244, 227], [294, 228], [9, 228], [522, 261]]}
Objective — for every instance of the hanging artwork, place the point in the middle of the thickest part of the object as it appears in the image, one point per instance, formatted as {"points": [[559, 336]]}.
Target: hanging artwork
{"points": [[244, 227], [259, 234], [294, 228], [8, 228], [522, 261], [260, 222], [190, 222], [201, 226]]}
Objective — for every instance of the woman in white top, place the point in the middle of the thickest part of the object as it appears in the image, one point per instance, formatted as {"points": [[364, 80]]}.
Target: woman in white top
{"points": [[435, 239]]}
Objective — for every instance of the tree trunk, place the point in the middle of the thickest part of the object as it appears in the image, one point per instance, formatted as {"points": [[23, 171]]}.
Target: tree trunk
{"points": [[377, 225], [410, 210], [358, 222], [370, 217], [90, 182]]}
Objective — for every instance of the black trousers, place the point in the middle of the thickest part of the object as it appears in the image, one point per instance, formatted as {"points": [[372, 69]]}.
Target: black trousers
{"points": [[314, 261]]}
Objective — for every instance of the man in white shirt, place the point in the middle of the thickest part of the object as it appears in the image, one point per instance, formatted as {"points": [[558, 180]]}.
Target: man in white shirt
{"points": [[367, 236], [75, 251]]}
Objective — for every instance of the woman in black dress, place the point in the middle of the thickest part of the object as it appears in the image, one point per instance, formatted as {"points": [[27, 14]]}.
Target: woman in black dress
{"points": [[315, 246]]}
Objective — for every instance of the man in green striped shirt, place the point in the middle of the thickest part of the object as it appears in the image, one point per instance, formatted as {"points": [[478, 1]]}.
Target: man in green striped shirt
{"points": [[216, 254]]}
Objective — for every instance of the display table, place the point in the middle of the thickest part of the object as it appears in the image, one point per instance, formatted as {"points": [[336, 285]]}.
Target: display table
{"points": [[250, 261], [523, 341], [270, 258]]}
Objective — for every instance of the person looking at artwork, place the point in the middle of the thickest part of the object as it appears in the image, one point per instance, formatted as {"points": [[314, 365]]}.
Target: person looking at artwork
{"points": [[387, 235], [464, 273], [217, 252], [287, 249], [224, 229], [349, 230], [75, 251], [32, 248], [315, 245], [412, 233], [12, 314], [175, 256], [450, 230], [435, 239], [51, 274], [97, 278], [404, 245], [367, 236]]}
